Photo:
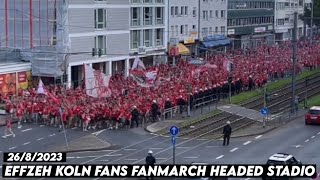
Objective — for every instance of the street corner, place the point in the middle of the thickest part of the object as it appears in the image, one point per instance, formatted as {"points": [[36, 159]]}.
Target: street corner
{"points": [[86, 143]]}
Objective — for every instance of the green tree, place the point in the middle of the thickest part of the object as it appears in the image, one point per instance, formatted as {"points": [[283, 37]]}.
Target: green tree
{"points": [[316, 13]]}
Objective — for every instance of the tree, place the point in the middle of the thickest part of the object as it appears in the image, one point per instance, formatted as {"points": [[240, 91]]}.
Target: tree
{"points": [[316, 13]]}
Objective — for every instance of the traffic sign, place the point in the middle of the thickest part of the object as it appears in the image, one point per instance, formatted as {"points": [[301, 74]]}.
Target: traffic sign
{"points": [[264, 111], [174, 130], [173, 140]]}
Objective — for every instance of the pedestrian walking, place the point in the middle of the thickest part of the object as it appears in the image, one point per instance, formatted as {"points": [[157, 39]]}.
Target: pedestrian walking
{"points": [[227, 130], [150, 161], [8, 128]]}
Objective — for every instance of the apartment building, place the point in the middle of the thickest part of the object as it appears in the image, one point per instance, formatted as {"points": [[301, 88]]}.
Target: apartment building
{"points": [[250, 22], [284, 18], [148, 30]]}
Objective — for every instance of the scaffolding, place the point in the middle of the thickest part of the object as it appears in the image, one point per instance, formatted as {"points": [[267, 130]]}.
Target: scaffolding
{"points": [[38, 31]]}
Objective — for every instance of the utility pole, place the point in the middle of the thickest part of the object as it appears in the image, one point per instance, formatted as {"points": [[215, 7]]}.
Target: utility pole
{"points": [[311, 21], [294, 60]]}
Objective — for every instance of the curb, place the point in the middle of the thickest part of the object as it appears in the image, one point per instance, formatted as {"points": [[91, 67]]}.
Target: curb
{"points": [[254, 134], [112, 147]]}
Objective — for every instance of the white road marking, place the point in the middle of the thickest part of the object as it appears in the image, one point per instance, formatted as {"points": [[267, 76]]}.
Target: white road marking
{"points": [[40, 139], [7, 135], [212, 146], [191, 157], [234, 149], [103, 160], [155, 149], [12, 148], [130, 149], [26, 143], [99, 132], [258, 137], [130, 159], [306, 140], [219, 157], [52, 135], [91, 151], [41, 125], [26, 130], [112, 155], [247, 178], [81, 157], [298, 146], [246, 143], [162, 158], [319, 133], [312, 137], [182, 147]]}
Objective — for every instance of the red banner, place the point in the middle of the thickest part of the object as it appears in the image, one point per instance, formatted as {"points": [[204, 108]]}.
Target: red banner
{"points": [[22, 77]]}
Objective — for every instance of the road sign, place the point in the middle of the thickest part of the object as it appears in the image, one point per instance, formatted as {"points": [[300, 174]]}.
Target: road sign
{"points": [[173, 140], [174, 130], [264, 111]]}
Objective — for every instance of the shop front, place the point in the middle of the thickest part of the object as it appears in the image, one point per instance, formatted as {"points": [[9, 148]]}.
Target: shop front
{"points": [[14, 77]]}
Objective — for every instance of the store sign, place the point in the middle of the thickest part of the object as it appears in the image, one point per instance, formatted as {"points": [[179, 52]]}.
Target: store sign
{"points": [[259, 29], [244, 5], [174, 51], [142, 50], [174, 41], [22, 77], [231, 31], [189, 40]]}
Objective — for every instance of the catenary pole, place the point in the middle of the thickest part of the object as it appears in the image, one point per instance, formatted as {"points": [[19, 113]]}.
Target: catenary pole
{"points": [[294, 60]]}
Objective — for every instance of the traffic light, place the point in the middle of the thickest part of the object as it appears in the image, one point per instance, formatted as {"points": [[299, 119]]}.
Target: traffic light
{"points": [[230, 79], [100, 52], [268, 97]]}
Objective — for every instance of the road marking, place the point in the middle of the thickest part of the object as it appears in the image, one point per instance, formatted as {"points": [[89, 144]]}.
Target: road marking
{"points": [[155, 149], [319, 133], [247, 179], [74, 128], [130, 159], [12, 148], [219, 157], [103, 160], [99, 132], [182, 147], [212, 146], [112, 155], [306, 140], [41, 125], [52, 135], [312, 137], [26, 130], [7, 135], [81, 157], [130, 149], [298, 146], [234, 149], [191, 157], [40, 139], [90, 151], [246, 143], [162, 158], [26, 143], [258, 137]]}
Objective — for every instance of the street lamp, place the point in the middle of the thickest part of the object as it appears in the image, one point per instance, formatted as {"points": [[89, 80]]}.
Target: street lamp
{"points": [[196, 62]]}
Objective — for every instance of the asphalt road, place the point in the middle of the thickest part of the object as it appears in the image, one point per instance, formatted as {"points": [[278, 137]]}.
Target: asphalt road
{"points": [[294, 138]]}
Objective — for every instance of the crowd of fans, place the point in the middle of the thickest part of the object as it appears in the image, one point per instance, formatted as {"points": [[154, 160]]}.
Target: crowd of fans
{"points": [[131, 103]]}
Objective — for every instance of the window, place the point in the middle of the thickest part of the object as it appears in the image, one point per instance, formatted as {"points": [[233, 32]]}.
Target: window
{"points": [[186, 29], [147, 16], [211, 14], [223, 29], [181, 29], [210, 30], [100, 43], [217, 14], [135, 16], [204, 32], [194, 27], [100, 18], [223, 12], [182, 10], [159, 37], [147, 1], [135, 39], [205, 15], [186, 10], [172, 31], [176, 11], [147, 38], [159, 1], [194, 12], [216, 30], [280, 22], [172, 11], [159, 15], [135, 1]]}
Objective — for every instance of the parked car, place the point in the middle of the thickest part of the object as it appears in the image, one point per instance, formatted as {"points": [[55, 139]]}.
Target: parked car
{"points": [[313, 115]]}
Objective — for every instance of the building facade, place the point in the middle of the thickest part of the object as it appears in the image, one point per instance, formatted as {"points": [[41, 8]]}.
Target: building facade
{"points": [[148, 30], [250, 22], [283, 24]]}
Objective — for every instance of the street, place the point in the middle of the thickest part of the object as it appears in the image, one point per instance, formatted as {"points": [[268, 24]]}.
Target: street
{"points": [[294, 138]]}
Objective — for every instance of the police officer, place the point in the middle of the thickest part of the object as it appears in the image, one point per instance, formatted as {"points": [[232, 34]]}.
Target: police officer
{"points": [[226, 133], [167, 105], [150, 161], [135, 116]]}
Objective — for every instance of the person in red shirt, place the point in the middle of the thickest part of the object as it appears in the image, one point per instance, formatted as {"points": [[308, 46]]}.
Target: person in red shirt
{"points": [[8, 128]]}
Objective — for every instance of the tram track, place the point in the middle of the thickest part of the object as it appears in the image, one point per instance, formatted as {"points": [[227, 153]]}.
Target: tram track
{"points": [[281, 102]]}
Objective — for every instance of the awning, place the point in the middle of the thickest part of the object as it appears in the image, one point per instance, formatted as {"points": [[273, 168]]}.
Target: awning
{"points": [[183, 50], [211, 44]]}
